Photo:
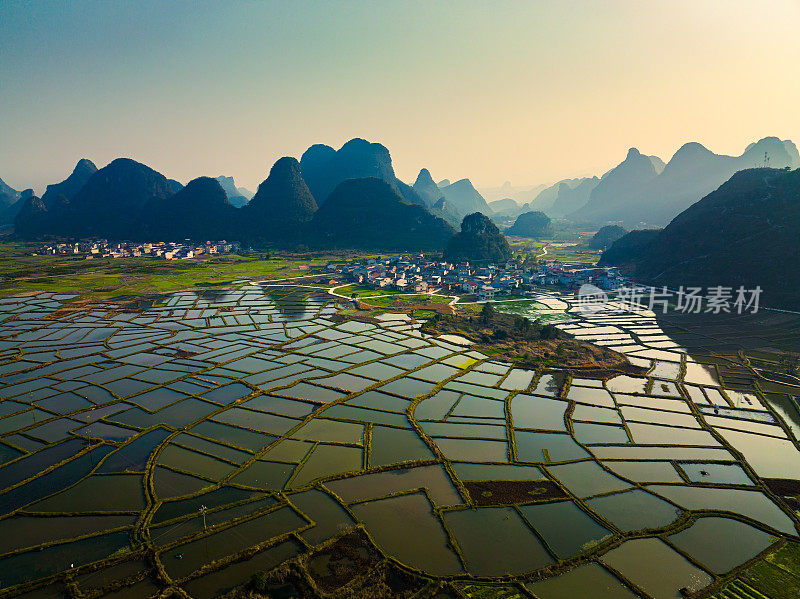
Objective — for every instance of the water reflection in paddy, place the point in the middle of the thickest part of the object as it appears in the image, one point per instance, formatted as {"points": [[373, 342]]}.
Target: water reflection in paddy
{"points": [[635, 560], [428, 548], [705, 537], [589, 580], [565, 528], [496, 541], [726, 474], [634, 510]]}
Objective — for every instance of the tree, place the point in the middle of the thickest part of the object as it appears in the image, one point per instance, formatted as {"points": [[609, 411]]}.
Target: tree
{"points": [[790, 363], [259, 582], [548, 332], [487, 313]]}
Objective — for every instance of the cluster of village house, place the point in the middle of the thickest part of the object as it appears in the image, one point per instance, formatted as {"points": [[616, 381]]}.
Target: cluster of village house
{"points": [[416, 274], [101, 248]]}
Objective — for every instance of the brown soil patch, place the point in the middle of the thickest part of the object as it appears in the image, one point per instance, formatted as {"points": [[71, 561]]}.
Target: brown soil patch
{"points": [[785, 487], [510, 492], [359, 316], [407, 308]]}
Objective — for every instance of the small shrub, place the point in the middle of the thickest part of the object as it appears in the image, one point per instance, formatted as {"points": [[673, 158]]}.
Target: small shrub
{"points": [[487, 312], [548, 332], [259, 582]]}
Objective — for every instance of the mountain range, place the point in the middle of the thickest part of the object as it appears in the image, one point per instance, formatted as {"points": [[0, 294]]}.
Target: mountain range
{"points": [[745, 233], [129, 200], [126, 199], [324, 168], [642, 190], [450, 201], [200, 210], [519, 194], [639, 192]]}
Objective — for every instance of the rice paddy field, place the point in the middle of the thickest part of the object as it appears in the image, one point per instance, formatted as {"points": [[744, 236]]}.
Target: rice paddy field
{"points": [[181, 446]]}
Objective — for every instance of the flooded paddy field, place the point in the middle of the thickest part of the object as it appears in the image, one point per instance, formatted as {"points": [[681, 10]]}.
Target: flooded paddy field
{"points": [[187, 444]]}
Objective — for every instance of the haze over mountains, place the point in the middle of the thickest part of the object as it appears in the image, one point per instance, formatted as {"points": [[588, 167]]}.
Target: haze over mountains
{"points": [[129, 200], [744, 233], [637, 192], [642, 190], [237, 196]]}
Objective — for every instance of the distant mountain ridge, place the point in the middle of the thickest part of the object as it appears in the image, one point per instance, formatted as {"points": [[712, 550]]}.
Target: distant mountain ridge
{"points": [[636, 192], [10, 203], [564, 196], [426, 188], [8, 195], [235, 195], [464, 198], [200, 210], [521, 194], [720, 240], [324, 168], [129, 200], [505, 205]]}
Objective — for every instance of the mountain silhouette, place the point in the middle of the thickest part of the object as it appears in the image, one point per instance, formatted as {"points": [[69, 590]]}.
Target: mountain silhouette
{"points": [[282, 202], [606, 236], [617, 189], [369, 213], [427, 189], [10, 203], [636, 194], [70, 186], [8, 195], [572, 197], [464, 199], [531, 224], [108, 205], [504, 206], [478, 241], [721, 240], [324, 168], [199, 211], [32, 219]]}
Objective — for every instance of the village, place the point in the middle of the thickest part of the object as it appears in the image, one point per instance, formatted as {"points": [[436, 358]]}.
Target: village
{"points": [[164, 250], [418, 274]]}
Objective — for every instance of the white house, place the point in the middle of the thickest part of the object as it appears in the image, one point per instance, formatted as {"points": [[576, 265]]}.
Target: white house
{"points": [[486, 292]]}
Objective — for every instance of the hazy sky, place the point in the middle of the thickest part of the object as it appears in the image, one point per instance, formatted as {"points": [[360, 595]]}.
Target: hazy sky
{"points": [[523, 91]]}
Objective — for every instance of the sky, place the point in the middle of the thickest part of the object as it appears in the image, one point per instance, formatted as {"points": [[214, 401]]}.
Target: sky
{"points": [[528, 92]]}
